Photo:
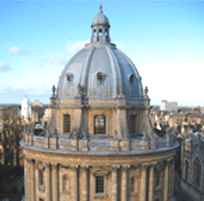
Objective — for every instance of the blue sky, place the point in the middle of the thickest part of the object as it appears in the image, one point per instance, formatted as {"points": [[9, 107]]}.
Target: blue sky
{"points": [[164, 39]]}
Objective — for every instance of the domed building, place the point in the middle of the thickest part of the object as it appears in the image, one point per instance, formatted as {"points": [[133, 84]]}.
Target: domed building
{"points": [[99, 143]]}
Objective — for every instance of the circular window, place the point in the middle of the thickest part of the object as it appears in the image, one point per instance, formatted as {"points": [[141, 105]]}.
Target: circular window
{"points": [[100, 76], [69, 77]]}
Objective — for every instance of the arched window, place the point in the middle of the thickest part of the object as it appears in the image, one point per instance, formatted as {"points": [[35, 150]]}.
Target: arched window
{"points": [[100, 32], [67, 123], [186, 170], [197, 172], [99, 124], [65, 183], [106, 32], [41, 177]]}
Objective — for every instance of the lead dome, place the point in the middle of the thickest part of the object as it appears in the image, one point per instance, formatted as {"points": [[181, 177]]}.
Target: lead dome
{"points": [[100, 68], [100, 18]]}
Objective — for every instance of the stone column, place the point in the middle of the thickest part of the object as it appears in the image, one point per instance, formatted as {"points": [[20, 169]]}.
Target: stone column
{"points": [[124, 193], [151, 182], [166, 180], [48, 182], [27, 178], [75, 183], [32, 190], [85, 183], [55, 182], [172, 178], [143, 191], [115, 183]]}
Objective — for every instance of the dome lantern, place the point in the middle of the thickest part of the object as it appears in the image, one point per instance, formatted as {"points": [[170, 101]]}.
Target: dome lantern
{"points": [[100, 28]]}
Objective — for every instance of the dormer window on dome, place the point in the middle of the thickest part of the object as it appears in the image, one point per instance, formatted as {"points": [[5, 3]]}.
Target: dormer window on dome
{"points": [[69, 77], [100, 28], [100, 76], [130, 78]]}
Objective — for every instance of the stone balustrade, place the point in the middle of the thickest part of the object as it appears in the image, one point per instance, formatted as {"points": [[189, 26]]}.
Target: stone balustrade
{"points": [[96, 144]]}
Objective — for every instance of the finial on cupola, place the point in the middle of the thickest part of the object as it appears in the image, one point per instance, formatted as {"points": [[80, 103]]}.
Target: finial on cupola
{"points": [[100, 8]]}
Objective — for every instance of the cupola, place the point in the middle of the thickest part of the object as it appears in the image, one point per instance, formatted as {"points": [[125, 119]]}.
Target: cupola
{"points": [[100, 27]]}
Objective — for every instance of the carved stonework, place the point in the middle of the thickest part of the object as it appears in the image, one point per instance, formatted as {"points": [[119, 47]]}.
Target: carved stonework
{"points": [[53, 91], [84, 134], [40, 165], [79, 88], [145, 92], [101, 172], [121, 95], [74, 133], [140, 106]]}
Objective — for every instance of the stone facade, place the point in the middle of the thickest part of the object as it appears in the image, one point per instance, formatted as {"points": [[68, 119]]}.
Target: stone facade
{"points": [[127, 176], [98, 143], [192, 163]]}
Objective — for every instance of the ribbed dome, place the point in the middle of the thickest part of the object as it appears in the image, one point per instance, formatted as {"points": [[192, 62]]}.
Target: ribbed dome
{"points": [[100, 19], [102, 71]]}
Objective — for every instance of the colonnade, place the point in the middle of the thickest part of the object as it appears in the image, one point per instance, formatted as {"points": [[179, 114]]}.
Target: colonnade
{"points": [[52, 190]]}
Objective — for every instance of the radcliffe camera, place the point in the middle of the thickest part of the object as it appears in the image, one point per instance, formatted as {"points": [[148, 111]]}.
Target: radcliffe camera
{"points": [[76, 119]]}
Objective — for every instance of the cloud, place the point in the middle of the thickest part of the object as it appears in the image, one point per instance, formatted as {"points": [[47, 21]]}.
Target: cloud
{"points": [[74, 46], [183, 55], [15, 50], [57, 59], [18, 50], [4, 67]]}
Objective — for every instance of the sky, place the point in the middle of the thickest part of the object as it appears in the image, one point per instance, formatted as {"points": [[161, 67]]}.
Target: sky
{"points": [[164, 39]]}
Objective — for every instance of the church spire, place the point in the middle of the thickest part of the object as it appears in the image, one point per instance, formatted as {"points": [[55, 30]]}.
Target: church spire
{"points": [[100, 27]]}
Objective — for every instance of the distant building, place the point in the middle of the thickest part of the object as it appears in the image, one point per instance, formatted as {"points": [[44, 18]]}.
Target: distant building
{"points": [[168, 106], [36, 103], [37, 110], [192, 164], [26, 110]]}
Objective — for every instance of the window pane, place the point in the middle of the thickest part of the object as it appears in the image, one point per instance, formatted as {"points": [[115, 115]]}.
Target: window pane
{"points": [[67, 123], [132, 124], [99, 184], [41, 177], [99, 124]]}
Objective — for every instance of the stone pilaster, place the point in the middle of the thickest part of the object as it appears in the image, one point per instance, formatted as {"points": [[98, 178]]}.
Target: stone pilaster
{"points": [[143, 191], [48, 182], [32, 171], [75, 183], [85, 190], [122, 127], [55, 191], [166, 179], [115, 183], [27, 177], [77, 122], [124, 193], [173, 173], [151, 182]]}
